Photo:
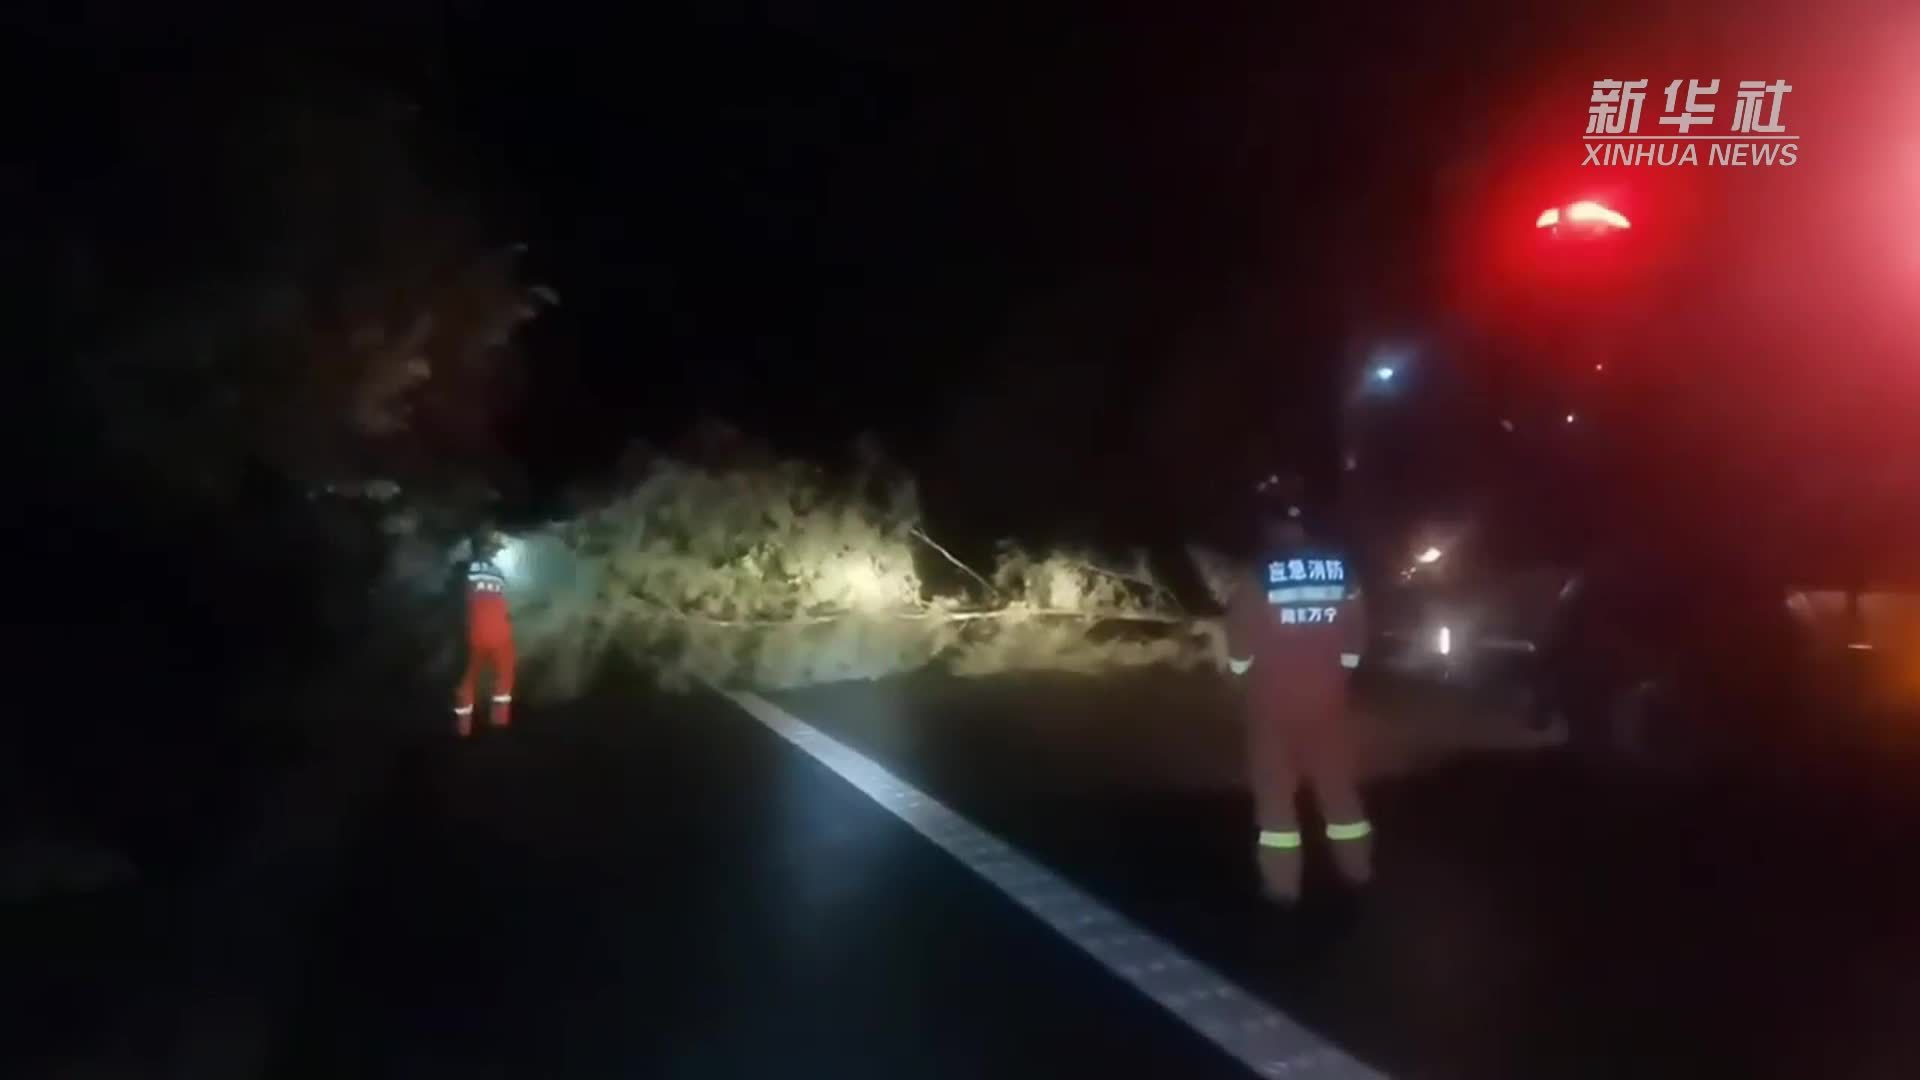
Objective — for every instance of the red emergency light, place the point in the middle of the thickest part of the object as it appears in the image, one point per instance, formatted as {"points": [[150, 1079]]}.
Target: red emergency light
{"points": [[1585, 213]]}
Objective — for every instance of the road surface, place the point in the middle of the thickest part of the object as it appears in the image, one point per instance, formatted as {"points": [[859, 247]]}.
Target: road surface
{"points": [[644, 886], [637, 884], [1532, 918]]}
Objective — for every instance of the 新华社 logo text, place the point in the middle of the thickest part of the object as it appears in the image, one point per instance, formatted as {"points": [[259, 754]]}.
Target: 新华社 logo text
{"points": [[1693, 127]]}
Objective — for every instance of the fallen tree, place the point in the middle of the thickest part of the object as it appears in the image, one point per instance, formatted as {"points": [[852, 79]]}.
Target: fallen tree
{"points": [[779, 575]]}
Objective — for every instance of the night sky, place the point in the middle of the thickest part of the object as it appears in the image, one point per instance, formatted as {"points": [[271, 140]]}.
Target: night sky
{"points": [[1083, 266], [950, 232], [1093, 262]]}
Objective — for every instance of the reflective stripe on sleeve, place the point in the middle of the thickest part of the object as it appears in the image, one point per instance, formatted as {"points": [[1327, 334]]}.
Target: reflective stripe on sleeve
{"points": [[1351, 831], [502, 699], [1284, 839], [1238, 666], [1349, 659]]}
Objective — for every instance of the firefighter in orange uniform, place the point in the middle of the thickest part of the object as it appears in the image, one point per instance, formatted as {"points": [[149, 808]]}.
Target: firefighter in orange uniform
{"points": [[489, 637], [1294, 633]]}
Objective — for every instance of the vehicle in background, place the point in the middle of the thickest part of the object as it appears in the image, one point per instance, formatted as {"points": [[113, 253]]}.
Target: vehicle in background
{"points": [[1653, 657], [1445, 612], [1863, 648]]}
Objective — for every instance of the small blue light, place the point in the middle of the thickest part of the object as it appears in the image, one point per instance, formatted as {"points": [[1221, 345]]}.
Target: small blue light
{"points": [[1383, 373]]}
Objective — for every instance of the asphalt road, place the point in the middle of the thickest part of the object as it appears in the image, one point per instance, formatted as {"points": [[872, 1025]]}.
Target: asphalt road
{"points": [[639, 885], [1532, 918]]}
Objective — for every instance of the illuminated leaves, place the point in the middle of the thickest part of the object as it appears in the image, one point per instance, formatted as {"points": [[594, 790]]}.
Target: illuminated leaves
{"points": [[777, 576]]}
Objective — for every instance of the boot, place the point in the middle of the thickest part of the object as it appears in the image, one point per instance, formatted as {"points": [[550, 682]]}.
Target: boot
{"points": [[463, 720], [502, 711], [1352, 852], [1280, 868]]}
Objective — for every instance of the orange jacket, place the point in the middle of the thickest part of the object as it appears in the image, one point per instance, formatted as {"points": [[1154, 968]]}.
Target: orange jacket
{"points": [[487, 621], [1296, 620]]}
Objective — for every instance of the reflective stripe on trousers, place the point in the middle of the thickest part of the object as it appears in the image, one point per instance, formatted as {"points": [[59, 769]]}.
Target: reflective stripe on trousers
{"points": [[1281, 857], [1358, 830], [1288, 839]]}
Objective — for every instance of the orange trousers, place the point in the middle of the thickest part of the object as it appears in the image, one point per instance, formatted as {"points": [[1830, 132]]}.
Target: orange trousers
{"points": [[1298, 741], [490, 655]]}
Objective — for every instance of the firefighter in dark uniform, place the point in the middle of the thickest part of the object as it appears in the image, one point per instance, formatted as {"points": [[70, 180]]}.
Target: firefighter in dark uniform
{"points": [[1295, 629]]}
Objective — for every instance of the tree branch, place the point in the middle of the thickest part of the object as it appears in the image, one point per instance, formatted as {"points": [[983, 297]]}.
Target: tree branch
{"points": [[968, 570], [921, 615], [1149, 584]]}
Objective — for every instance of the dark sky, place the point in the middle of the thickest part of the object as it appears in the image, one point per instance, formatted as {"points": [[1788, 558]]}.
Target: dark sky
{"points": [[816, 224], [1095, 261], [1093, 247]]}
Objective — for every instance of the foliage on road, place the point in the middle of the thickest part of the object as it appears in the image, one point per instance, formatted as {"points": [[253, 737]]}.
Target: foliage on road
{"points": [[780, 574]]}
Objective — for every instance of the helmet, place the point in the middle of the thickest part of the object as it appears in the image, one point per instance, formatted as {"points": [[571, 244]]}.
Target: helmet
{"points": [[1279, 508], [1280, 494], [486, 543]]}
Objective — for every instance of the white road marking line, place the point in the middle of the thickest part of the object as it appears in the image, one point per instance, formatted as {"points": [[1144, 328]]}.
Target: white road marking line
{"points": [[1262, 1038]]}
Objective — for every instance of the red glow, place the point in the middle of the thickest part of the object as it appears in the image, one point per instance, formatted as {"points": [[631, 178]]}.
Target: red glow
{"points": [[1586, 211], [1534, 237]]}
